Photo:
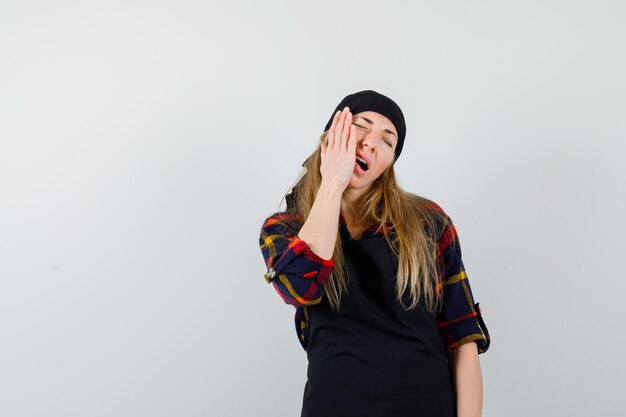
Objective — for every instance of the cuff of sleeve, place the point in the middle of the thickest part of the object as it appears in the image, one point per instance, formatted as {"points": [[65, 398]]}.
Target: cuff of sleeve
{"points": [[482, 347], [471, 329], [321, 268], [301, 246], [325, 266]]}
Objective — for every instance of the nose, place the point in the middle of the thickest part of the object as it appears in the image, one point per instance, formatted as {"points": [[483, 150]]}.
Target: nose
{"points": [[368, 140]]}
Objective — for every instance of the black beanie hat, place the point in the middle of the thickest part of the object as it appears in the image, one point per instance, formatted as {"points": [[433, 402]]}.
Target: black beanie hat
{"points": [[370, 100]]}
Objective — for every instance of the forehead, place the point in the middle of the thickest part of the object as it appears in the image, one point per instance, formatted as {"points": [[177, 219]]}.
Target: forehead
{"points": [[378, 120]]}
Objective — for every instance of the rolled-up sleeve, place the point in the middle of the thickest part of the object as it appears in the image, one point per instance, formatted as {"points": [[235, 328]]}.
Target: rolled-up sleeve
{"points": [[460, 320], [297, 273]]}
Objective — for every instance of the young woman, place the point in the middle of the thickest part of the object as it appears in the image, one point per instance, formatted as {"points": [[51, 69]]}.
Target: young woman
{"points": [[384, 308]]}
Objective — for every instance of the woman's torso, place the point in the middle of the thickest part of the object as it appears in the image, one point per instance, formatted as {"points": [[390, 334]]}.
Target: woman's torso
{"points": [[373, 358]]}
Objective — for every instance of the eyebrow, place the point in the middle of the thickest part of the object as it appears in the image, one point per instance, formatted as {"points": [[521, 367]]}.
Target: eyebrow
{"points": [[370, 122]]}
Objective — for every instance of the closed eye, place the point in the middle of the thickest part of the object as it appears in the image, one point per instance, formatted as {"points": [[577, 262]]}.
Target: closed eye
{"points": [[386, 141]]}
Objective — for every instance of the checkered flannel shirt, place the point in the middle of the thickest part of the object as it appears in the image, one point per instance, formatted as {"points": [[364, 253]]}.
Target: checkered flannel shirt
{"points": [[298, 275]]}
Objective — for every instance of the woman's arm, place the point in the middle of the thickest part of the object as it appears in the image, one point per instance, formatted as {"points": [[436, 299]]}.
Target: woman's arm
{"points": [[467, 379], [319, 230]]}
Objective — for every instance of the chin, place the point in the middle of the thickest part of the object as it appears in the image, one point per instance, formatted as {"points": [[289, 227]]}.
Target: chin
{"points": [[359, 182]]}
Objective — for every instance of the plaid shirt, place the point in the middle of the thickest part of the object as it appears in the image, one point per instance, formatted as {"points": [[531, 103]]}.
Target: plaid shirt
{"points": [[298, 275]]}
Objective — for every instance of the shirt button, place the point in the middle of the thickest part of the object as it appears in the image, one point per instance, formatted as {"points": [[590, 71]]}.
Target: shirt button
{"points": [[270, 274]]}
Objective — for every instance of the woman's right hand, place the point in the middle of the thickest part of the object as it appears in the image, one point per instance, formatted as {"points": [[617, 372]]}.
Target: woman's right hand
{"points": [[339, 150]]}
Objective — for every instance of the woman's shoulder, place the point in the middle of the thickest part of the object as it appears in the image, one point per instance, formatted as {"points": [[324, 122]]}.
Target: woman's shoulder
{"points": [[433, 206], [437, 216], [429, 206], [285, 219]]}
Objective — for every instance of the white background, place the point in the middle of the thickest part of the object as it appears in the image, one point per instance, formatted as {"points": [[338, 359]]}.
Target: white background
{"points": [[143, 143]]}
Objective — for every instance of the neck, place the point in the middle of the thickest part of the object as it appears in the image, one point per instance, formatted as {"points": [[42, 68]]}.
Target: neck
{"points": [[350, 200]]}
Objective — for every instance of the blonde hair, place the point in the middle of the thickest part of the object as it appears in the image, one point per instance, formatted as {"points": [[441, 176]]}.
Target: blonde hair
{"points": [[414, 237]]}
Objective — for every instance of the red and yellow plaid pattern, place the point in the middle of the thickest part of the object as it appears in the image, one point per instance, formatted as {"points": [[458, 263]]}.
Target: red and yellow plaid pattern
{"points": [[298, 276], [460, 320]]}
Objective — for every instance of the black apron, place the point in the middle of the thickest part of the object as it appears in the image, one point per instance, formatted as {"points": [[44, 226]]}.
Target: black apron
{"points": [[373, 358]]}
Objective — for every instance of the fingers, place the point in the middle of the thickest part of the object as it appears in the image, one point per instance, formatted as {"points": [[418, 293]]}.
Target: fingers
{"points": [[338, 151], [352, 141], [331, 131], [339, 127], [347, 122]]}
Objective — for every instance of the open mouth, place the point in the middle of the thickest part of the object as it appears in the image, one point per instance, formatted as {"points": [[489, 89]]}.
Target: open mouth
{"points": [[362, 163]]}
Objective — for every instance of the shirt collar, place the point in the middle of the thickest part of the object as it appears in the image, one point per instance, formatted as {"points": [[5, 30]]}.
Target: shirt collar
{"points": [[371, 231]]}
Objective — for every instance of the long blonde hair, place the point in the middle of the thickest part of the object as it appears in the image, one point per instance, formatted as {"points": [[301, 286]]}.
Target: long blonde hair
{"points": [[417, 225]]}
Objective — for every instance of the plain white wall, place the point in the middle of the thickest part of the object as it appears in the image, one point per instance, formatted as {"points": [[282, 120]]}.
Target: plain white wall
{"points": [[143, 143]]}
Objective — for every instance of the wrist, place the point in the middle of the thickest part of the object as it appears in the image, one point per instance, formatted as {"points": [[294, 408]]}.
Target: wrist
{"points": [[331, 190]]}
